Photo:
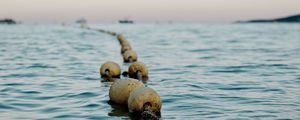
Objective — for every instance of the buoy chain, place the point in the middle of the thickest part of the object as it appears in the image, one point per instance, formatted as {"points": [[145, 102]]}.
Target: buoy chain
{"points": [[137, 70]]}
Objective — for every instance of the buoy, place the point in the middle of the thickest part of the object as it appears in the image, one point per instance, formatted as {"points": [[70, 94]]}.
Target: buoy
{"points": [[120, 37], [125, 48], [110, 70], [145, 100], [130, 56], [122, 40], [138, 70], [124, 43], [120, 90], [113, 33]]}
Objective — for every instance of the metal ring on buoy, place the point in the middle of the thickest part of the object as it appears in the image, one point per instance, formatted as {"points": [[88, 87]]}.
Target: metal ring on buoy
{"points": [[120, 90]]}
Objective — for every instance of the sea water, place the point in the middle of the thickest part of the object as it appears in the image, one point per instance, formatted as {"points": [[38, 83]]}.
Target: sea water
{"points": [[200, 71]]}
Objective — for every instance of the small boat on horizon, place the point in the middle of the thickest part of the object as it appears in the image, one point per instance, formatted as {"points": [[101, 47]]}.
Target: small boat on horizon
{"points": [[81, 21], [126, 21], [7, 21]]}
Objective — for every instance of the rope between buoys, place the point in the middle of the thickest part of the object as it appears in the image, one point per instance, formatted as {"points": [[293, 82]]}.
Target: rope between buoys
{"points": [[147, 114]]}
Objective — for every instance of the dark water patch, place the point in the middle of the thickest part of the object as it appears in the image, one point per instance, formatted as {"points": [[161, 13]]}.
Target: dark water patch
{"points": [[209, 113], [91, 78], [162, 69], [51, 110], [28, 92], [118, 110], [45, 97], [20, 75], [230, 71], [7, 107], [255, 101], [241, 88], [231, 98], [246, 111], [205, 50], [192, 66], [274, 90], [40, 65], [259, 50], [91, 105], [49, 85], [207, 57], [11, 90], [96, 117], [26, 105], [255, 66], [263, 116], [82, 95], [196, 86], [67, 116], [14, 84]]}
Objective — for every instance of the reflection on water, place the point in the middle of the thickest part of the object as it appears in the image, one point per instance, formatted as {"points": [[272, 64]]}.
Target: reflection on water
{"points": [[118, 110], [201, 71]]}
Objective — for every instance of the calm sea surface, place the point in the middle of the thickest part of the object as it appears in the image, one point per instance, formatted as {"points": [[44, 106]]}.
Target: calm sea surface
{"points": [[201, 71]]}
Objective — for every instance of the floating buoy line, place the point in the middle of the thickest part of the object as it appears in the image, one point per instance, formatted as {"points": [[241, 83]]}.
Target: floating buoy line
{"points": [[130, 90]]}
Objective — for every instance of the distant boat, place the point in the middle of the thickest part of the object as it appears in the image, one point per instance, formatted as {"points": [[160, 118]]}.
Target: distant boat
{"points": [[126, 21], [8, 21], [81, 21]]}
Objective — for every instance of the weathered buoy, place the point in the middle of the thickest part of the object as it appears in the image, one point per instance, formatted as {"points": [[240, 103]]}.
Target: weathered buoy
{"points": [[122, 40], [145, 100], [125, 48], [124, 43], [120, 37], [130, 56], [110, 70], [120, 90], [138, 70]]}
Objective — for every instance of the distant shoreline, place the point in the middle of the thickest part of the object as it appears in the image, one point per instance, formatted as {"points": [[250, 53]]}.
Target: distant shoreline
{"points": [[288, 19]]}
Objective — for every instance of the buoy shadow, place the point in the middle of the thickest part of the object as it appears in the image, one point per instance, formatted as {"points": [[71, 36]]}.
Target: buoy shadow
{"points": [[122, 111], [118, 110]]}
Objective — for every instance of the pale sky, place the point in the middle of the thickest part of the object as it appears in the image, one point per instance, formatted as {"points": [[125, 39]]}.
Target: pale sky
{"points": [[146, 10]]}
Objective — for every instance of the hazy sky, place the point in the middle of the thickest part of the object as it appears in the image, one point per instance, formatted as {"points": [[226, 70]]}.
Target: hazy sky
{"points": [[146, 10]]}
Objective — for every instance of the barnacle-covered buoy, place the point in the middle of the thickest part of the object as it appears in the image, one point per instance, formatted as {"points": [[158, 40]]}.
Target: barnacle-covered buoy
{"points": [[144, 99], [138, 70], [110, 69], [130, 56], [120, 90]]}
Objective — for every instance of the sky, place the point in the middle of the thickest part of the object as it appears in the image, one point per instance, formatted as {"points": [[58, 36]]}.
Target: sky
{"points": [[202, 11]]}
